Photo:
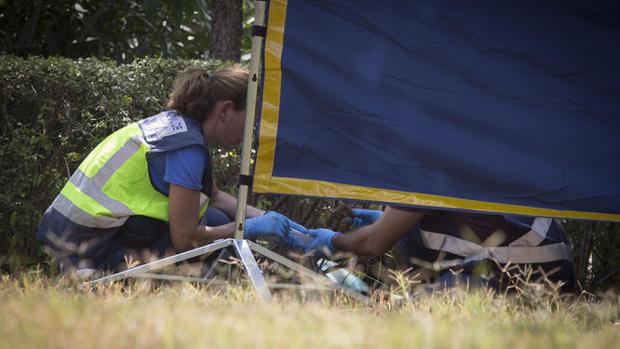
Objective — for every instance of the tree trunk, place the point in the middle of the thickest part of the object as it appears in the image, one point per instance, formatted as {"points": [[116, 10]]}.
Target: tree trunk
{"points": [[226, 30]]}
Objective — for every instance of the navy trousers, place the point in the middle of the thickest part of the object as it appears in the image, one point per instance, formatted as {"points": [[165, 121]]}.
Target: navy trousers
{"points": [[131, 240]]}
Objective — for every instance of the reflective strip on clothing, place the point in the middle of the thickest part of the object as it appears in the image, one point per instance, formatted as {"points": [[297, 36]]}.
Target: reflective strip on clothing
{"points": [[504, 254], [536, 235], [104, 151], [91, 206], [83, 201], [117, 160], [75, 214], [92, 186], [89, 187]]}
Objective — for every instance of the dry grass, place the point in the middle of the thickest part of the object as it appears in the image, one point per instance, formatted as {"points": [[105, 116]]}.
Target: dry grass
{"points": [[38, 312]]}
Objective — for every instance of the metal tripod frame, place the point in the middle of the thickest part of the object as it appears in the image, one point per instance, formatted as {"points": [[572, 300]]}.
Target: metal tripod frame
{"points": [[244, 249]]}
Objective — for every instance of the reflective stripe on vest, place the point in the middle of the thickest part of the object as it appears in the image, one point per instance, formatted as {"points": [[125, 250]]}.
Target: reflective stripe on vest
{"points": [[70, 208], [521, 253], [112, 183]]}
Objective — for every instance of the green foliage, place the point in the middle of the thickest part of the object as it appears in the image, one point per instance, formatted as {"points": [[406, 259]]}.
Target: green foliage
{"points": [[121, 30], [596, 250]]}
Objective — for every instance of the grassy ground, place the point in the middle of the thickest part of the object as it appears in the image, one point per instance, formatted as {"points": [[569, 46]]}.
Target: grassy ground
{"points": [[37, 312]]}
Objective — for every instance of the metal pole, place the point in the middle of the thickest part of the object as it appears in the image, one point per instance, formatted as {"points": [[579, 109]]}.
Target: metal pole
{"points": [[305, 271], [251, 267], [199, 251], [250, 108]]}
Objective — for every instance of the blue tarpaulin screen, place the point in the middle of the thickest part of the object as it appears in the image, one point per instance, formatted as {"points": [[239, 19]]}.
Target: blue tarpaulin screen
{"points": [[509, 106]]}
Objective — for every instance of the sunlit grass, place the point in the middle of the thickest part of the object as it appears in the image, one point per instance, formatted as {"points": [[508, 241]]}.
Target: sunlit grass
{"points": [[39, 312]]}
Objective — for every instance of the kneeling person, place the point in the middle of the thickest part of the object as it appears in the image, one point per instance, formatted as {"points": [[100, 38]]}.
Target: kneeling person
{"points": [[146, 187]]}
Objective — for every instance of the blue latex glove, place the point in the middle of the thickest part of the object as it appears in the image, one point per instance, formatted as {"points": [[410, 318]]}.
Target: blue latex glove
{"points": [[270, 224], [298, 240], [298, 237], [362, 217], [322, 241], [296, 226]]}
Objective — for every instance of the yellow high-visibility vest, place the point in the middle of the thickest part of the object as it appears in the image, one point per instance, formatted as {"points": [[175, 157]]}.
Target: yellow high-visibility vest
{"points": [[113, 183]]}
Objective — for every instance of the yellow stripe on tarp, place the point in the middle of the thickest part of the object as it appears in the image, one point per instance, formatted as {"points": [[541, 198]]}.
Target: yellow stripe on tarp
{"points": [[271, 95], [305, 187]]}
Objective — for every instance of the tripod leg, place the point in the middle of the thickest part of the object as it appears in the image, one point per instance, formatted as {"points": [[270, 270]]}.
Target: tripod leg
{"points": [[251, 267], [224, 253], [145, 268], [305, 271]]}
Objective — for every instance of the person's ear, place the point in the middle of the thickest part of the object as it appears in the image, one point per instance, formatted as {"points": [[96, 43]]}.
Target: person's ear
{"points": [[225, 108]]}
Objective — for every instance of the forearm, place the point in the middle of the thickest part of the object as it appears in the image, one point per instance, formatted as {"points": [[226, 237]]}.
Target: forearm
{"points": [[362, 242], [183, 208], [203, 235], [228, 203], [252, 211], [379, 237]]}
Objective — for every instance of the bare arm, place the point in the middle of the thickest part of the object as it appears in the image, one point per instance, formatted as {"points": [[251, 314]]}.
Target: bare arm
{"points": [[228, 203], [185, 232], [377, 238]]}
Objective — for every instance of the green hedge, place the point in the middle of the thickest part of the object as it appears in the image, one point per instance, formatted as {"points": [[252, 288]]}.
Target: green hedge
{"points": [[54, 111]]}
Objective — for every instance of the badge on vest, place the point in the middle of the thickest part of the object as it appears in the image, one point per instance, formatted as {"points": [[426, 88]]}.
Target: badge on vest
{"points": [[160, 127]]}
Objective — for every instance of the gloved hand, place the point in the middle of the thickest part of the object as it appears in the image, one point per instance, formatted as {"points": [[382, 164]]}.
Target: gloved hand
{"points": [[298, 240], [362, 216], [322, 243], [296, 226], [298, 237], [270, 224]]}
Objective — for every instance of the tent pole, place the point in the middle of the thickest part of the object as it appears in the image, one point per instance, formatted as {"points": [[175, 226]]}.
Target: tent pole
{"points": [[250, 108]]}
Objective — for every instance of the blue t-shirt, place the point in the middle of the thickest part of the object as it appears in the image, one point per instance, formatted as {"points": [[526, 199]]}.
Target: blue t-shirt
{"points": [[183, 167]]}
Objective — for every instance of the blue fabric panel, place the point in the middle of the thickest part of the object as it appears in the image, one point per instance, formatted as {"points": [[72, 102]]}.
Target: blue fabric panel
{"points": [[508, 102]]}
